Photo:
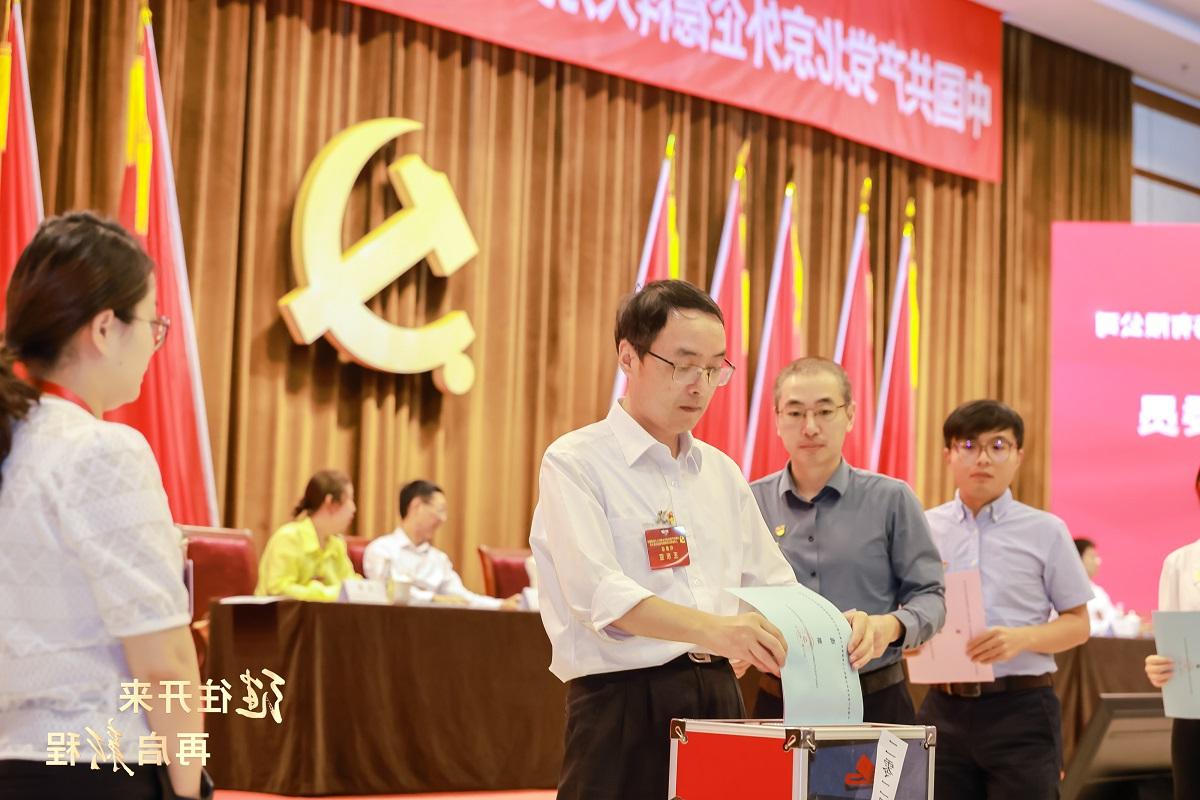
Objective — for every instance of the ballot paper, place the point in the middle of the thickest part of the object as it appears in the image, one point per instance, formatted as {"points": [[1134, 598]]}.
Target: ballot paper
{"points": [[943, 659], [819, 685], [1177, 636]]}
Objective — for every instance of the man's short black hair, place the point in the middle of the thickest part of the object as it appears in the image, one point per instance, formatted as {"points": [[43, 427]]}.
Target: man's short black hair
{"points": [[642, 315], [1083, 544], [980, 416], [414, 490]]}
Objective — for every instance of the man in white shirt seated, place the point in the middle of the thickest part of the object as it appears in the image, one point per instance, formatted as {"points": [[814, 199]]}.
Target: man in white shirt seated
{"points": [[1107, 618], [407, 553]]}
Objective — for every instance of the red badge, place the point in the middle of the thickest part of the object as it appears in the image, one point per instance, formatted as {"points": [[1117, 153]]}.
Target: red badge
{"points": [[667, 547]]}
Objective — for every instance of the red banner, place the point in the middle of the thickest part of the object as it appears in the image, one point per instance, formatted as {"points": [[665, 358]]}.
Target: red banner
{"points": [[918, 78]]}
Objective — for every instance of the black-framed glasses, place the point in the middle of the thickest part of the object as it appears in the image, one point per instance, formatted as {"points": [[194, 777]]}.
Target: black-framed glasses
{"points": [[158, 328], [714, 376], [823, 415], [998, 449]]}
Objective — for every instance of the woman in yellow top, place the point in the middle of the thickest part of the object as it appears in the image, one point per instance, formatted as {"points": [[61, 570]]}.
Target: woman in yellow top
{"points": [[306, 558]]}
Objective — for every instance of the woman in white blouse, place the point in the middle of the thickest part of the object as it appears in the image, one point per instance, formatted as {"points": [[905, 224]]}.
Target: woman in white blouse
{"points": [[1179, 590], [91, 589]]}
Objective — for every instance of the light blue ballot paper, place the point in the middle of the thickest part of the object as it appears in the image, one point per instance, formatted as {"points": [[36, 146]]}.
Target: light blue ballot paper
{"points": [[819, 685], [1177, 636]]}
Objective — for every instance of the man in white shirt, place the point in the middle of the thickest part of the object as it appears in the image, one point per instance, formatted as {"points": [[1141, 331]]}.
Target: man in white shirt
{"points": [[1106, 617], [638, 530], [408, 554]]}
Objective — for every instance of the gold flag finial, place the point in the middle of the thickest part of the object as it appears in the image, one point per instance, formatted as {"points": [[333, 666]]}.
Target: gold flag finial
{"points": [[790, 189], [910, 211], [865, 197], [742, 156], [671, 146]]}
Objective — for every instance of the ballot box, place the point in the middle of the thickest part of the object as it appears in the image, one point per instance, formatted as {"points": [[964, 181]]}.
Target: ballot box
{"points": [[767, 760]]}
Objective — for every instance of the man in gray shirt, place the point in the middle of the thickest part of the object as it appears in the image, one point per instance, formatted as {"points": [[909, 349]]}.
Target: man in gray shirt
{"points": [[859, 539]]}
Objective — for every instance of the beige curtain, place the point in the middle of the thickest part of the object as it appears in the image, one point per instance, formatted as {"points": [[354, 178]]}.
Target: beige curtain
{"points": [[555, 168]]}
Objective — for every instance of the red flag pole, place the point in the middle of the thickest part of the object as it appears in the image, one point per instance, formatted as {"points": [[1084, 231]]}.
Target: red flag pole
{"points": [[660, 212], [782, 242], [899, 296]]}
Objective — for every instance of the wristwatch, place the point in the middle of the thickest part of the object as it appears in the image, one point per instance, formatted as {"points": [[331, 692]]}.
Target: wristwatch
{"points": [[206, 788]]}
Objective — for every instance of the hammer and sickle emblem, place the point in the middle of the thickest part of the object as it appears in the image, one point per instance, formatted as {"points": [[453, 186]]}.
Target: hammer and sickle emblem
{"points": [[333, 286]]}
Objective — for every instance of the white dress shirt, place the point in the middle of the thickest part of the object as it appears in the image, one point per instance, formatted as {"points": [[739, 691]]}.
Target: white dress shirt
{"points": [[1179, 585], [601, 487], [429, 569], [1102, 613], [88, 556]]}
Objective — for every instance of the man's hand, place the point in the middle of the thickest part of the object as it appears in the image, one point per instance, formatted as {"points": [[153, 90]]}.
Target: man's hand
{"points": [[997, 644], [861, 648], [512, 603], [1159, 669], [748, 637], [870, 637]]}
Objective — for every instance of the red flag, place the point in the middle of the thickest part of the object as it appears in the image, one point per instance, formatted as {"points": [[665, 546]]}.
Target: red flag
{"points": [[170, 411], [894, 451], [724, 423], [20, 176], [660, 252], [855, 349], [782, 343]]}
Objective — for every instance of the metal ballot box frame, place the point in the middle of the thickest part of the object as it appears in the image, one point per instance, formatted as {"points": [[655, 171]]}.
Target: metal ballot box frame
{"points": [[767, 760]]}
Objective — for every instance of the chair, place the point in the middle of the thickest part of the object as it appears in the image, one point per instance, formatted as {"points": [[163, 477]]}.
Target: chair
{"points": [[504, 570], [224, 563], [355, 547]]}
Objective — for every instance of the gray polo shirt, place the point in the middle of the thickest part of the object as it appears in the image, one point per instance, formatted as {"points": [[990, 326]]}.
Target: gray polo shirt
{"points": [[863, 543]]}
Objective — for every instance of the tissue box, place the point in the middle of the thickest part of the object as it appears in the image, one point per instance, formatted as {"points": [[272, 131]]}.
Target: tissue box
{"points": [[767, 760]]}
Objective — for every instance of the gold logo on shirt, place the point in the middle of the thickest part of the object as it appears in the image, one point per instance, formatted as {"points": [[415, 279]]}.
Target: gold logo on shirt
{"points": [[333, 285], [780, 530]]}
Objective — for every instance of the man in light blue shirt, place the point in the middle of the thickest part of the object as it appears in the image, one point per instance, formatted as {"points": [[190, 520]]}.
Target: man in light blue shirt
{"points": [[1004, 739]]}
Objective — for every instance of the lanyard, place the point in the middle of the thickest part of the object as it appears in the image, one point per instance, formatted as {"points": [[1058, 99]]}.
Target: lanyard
{"points": [[49, 387]]}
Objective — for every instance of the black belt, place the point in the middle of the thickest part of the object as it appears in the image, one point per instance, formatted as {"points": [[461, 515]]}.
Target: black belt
{"points": [[687, 660], [879, 679], [1010, 683], [874, 681]]}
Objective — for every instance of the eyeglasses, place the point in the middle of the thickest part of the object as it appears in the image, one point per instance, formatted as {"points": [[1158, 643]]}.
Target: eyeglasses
{"points": [[158, 328], [714, 376], [822, 416], [998, 449]]}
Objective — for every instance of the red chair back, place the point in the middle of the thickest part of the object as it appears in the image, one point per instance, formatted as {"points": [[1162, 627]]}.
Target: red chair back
{"points": [[504, 571], [224, 563], [355, 547]]}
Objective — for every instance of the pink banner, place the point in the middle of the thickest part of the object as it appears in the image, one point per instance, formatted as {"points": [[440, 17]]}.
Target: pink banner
{"points": [[1125, 396], [918, 78]]}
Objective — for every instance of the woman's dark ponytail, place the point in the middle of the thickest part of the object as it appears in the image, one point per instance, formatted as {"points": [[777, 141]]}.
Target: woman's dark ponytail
{"points": [[16, 398]]}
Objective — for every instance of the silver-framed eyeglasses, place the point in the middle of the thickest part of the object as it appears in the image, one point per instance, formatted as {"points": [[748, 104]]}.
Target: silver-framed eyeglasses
{"points": [[158, 328], [998, 449], [714, 376], [822, 416]]}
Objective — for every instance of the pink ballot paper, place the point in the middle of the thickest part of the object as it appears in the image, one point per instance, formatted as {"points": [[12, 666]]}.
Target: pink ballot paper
{"points": [[943, 659]]}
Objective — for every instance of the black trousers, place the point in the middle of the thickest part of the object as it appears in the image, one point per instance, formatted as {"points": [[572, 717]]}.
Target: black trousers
{"points": [[618, 742], [33, 780], [1001, 746], [1185, 758], [890, 706]]}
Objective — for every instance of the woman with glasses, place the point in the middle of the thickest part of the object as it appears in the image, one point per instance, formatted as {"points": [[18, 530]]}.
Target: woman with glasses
{"points": [[91, 586]]}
